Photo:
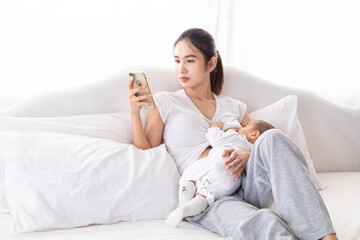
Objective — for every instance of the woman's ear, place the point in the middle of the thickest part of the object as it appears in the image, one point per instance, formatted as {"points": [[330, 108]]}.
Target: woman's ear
{"points": [[212, 64]]}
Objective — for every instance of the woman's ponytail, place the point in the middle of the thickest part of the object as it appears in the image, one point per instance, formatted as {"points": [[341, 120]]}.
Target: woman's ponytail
{"points": [[217, 76]]}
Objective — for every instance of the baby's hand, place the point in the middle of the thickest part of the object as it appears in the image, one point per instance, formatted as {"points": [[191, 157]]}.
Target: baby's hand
{"points": [[235, 129], [219, 124]]}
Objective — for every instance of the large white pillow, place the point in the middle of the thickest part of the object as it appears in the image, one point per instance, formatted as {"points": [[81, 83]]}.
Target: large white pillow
{"points": [[114, 126], [62, 181], [283, 115], [4, 207]]}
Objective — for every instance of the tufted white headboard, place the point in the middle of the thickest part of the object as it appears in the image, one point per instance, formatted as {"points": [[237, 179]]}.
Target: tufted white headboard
{"points": [[332, 130]]}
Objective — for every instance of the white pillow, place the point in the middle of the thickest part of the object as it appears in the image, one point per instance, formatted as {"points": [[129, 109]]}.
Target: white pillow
{"points": [[114, 126], [4, 207], [62, 181], [283, 115]]}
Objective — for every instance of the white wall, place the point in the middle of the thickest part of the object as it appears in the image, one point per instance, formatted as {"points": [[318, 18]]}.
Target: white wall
{"points": [[53, 44]]}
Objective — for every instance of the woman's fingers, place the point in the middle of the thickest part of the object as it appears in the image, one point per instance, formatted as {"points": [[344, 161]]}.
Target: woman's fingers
{"points": [[238, 175], [238, 169], [139, 104], [237, 162], [133, 91], [230, 161], [130, 83], [227, 152], [136, 100], [140, 98]]}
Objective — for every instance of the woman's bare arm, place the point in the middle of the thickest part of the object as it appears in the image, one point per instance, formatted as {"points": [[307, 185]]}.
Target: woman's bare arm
{"points": [[152, 135], [237, 159], [154, 128], [246, 119]]}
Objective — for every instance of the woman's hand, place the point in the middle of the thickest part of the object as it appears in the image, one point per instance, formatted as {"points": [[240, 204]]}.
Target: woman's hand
{"points": [[135, 104], [237, 161], [219, 124]]}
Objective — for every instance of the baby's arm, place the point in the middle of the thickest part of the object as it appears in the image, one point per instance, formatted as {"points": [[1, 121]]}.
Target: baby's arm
{"points": [[219, 138], [235, 129]]}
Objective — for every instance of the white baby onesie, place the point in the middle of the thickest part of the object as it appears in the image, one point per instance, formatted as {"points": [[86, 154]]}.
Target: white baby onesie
{"points": [[211, 177]]}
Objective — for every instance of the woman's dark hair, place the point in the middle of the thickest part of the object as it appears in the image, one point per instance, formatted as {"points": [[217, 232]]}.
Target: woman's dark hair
{"points": [[203, 41]]}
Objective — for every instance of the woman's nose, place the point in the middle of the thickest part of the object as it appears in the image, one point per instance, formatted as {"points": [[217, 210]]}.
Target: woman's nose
{"points": [[182, 68]]}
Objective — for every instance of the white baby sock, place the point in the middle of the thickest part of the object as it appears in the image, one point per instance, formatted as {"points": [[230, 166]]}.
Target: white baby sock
{"points": [[187, 191], [194, 207]]}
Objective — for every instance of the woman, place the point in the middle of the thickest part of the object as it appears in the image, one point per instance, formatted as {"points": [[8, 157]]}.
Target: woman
{"points": [[274, 170]]}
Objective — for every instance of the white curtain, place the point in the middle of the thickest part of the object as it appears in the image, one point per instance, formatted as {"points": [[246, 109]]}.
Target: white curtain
{"points": [[308, 44], [54, 44]]}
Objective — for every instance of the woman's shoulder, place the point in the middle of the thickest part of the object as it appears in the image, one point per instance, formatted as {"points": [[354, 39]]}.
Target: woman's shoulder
{"points": [[229, 99], [165, 101], [166, 97], [169, 95]]}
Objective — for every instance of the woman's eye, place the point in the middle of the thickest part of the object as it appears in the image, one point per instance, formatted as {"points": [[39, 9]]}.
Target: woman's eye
{"points": [[177, 61], [191, 61]]}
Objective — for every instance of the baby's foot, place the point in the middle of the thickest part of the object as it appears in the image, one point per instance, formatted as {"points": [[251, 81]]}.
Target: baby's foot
{"points": [[174, 218]]}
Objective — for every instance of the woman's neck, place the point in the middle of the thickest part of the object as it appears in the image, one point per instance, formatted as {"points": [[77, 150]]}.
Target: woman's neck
{"points": [[201, 92]]}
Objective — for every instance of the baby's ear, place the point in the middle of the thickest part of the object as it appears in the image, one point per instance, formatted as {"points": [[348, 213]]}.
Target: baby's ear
{"points": [[255, 134]]}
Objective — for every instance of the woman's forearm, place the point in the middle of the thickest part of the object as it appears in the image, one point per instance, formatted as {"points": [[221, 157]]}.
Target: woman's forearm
{"points": [[139, 138]]}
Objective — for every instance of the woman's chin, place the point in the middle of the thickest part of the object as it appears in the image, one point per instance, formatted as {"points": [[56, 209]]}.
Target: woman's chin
{"points": [[184, 84]]}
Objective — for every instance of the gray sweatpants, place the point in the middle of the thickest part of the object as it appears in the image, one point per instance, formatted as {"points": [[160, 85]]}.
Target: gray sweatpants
{"points": [[275, 171]]}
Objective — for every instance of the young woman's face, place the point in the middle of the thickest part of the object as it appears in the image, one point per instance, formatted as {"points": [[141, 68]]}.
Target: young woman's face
{"points": [[190, 66]]}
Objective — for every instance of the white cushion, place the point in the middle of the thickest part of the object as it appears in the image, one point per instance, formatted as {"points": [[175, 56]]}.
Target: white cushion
{"points": [[342, 198], [113, 126], [62, 181], [283, 115]]}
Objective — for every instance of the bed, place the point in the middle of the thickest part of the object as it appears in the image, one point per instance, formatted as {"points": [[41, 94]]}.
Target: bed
{"points": [[97, 114]]}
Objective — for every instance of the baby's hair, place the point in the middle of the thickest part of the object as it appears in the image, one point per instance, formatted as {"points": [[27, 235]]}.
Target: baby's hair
{"points": [[262, 126]]}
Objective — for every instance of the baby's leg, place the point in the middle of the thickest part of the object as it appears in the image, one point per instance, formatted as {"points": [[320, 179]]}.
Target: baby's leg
{"points": [[194, 207], [187, 191]]}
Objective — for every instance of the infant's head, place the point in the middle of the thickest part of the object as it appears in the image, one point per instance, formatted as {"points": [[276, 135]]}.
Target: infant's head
{"points": [[254, 129]]}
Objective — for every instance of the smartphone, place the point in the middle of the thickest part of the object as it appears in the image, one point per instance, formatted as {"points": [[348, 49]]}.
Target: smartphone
{"points": [[141, 80]]}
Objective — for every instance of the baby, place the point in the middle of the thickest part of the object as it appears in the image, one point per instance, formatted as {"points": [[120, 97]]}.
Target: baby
{"points": [[207, 179]]}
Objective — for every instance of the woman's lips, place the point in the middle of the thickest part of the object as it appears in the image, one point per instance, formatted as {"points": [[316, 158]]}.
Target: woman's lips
{"points": [[184, 79]]}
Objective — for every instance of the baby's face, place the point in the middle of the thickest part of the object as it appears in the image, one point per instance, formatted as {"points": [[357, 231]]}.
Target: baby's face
{"points": [[249, 131]]}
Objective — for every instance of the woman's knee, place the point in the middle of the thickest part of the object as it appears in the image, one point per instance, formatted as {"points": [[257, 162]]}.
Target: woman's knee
{"points": [[273, 138], [271, 134], [266, 215]]}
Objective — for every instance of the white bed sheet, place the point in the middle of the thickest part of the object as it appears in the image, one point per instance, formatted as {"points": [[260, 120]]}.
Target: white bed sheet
{"points": [[342, 198], [343, 209], [141, 230]]}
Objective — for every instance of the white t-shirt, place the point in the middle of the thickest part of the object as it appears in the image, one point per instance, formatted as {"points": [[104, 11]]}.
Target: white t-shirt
{"points": [[186, 126]]}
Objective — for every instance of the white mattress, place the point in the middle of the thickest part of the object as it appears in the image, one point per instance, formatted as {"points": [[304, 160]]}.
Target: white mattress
{"points": [[153, 229], [342, 197]]}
